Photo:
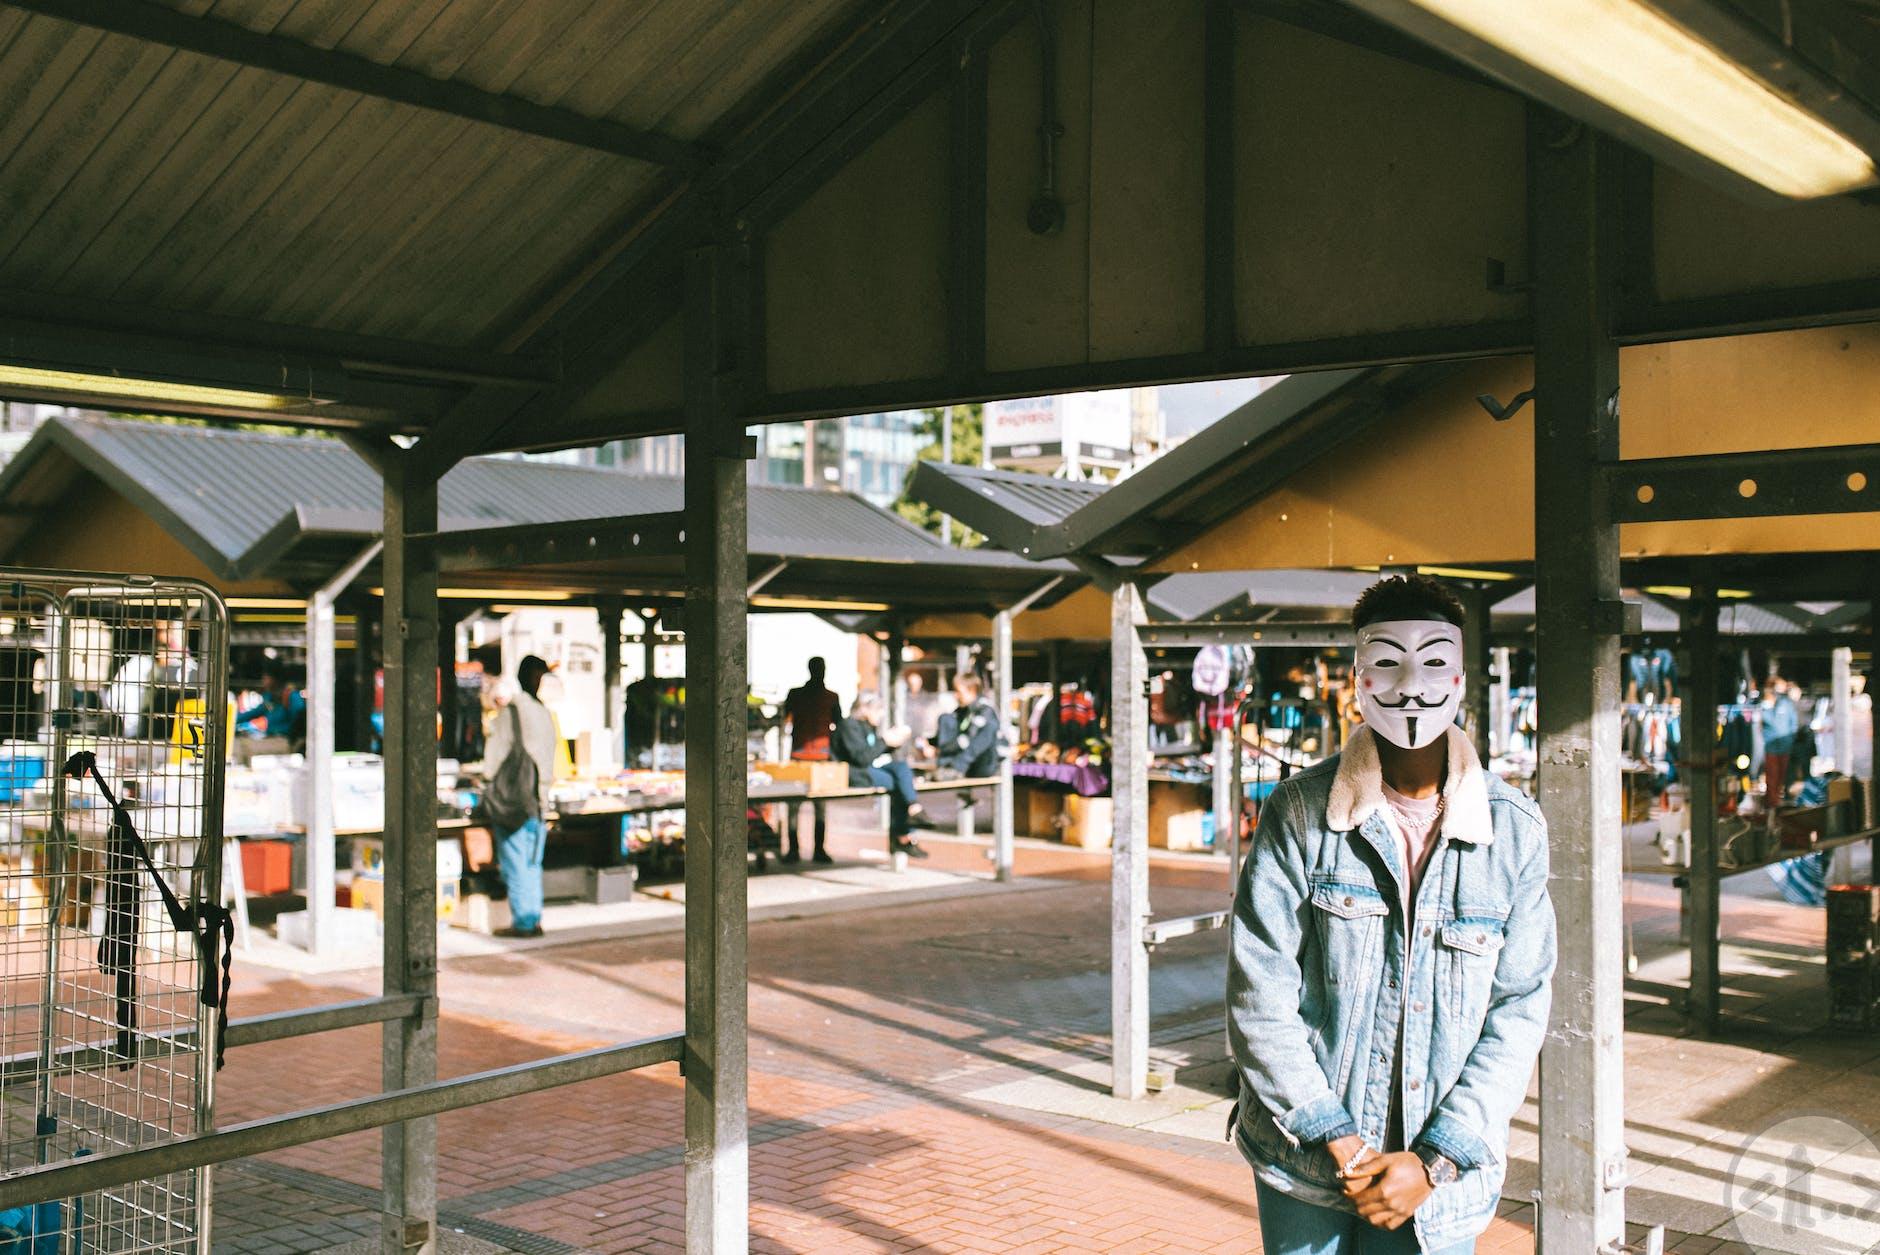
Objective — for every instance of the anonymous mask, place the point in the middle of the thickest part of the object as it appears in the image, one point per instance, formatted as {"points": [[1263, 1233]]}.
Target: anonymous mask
{"points": [[1409, 675]]}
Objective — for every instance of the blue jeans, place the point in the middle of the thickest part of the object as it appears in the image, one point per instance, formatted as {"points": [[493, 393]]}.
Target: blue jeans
{"points": [[519, 854], [1291, 1227], [898, 780]]}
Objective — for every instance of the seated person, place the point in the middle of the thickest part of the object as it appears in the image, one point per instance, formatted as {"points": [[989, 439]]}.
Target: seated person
{"points": [[966, 744], [859, 743]]}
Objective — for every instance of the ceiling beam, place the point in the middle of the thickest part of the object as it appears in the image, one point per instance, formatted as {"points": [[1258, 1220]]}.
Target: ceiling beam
{"points": [[225, 41]]}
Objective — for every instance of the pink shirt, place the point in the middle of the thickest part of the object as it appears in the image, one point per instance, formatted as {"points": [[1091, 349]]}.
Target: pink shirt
{"points": [[1416, 823]]}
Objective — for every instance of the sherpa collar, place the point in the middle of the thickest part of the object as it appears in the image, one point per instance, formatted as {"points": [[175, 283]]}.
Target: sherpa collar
{"points": [[1358, 789]]}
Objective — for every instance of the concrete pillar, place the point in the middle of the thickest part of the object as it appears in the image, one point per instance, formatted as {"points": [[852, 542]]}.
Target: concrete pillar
{"points": [[322, 694], [717, 1168], [1478, 662], [1577, 616], [1699, 751], [409, 1220], [613, 710], [1129, 850], [1002, 818], [1226, 792]]}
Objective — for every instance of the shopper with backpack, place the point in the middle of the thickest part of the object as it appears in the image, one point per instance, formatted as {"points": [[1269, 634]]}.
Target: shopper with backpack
{"points": [[521, 758]]}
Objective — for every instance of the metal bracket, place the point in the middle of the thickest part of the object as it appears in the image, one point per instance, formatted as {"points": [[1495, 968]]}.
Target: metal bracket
{"points": [[1502, 413], [1654, 1244], [1498, 280], [1618, 618]]}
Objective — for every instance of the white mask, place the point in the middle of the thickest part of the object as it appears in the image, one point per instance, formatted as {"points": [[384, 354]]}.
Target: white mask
{"points": [[1409, 676]]}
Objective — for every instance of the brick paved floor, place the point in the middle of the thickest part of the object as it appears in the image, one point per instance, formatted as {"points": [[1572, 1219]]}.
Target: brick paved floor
{"points": [[869, 1033]]}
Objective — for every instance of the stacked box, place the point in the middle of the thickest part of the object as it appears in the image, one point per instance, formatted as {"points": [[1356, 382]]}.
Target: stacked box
{"points": [[1854, 956]]}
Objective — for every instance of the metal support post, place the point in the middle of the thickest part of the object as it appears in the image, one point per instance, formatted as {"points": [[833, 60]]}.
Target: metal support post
{"points": [[1129, 847], [1501, 698], [1699, 770], [896, 704], [1576, 549], [613, 714], [322, 687], [1002, 818], [409, 1221], [1226, 804], [1478, 604], [717, 1167]]}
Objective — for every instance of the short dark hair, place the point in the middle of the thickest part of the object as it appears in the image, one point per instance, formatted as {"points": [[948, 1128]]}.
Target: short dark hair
{"points": [[1406, 597], [817, 668], [529, 673]]}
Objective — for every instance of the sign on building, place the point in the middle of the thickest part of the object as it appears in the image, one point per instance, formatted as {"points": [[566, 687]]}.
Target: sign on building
{"points": [[1070, 432]]}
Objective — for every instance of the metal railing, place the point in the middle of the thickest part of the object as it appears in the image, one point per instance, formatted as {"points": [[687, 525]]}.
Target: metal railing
{"points": [[315, 1124]]}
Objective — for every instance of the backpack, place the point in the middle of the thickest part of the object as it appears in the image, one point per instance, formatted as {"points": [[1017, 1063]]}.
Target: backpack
{"points": [[511, 797]]}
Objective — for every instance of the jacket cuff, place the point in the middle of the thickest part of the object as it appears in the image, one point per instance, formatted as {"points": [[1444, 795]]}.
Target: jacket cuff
{"points": [[1449, 1138], [1321, 1120]]}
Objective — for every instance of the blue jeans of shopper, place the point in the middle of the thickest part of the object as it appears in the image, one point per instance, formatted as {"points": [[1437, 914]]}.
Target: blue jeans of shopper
{"points": [[1291, 1227], [519, 854], [898, 780]]}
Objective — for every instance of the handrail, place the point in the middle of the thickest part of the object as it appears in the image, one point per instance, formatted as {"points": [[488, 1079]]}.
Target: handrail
{"points": [[271, 1133]]}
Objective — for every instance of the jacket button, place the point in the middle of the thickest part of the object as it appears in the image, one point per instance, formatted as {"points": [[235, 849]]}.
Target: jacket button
{"points": [[1348, 901], [1426, 930], [1418, 1008], [1416, 1084], [1481, 939]]}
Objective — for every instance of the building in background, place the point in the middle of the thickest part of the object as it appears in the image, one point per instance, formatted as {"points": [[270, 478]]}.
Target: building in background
{"points": [[866, 454]]}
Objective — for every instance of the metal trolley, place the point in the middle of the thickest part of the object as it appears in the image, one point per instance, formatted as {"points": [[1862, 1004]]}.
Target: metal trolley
{"points": [[106, 1036]]}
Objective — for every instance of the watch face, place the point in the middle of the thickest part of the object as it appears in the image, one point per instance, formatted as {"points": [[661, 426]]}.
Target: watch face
{"points": [[1441, 1170]]}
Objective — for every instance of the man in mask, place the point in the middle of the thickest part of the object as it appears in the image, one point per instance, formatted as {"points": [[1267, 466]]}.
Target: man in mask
{"points": [[1393, 946]]}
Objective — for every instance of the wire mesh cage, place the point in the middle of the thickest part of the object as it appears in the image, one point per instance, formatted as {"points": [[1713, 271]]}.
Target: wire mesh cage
{"points": [[109, 880]]}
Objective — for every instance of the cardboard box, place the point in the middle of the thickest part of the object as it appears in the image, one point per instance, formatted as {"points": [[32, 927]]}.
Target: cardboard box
{"points": [[267, 867], [369, 895], [1037, 811], [818, 777], [1167, 801], [368, 858], [1186, 830], [1087, 822]]}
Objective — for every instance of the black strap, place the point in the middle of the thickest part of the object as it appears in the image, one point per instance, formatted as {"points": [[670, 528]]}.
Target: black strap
{"points": [[209, 923]]}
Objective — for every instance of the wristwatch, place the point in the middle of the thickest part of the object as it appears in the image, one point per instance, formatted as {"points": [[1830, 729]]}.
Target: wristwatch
{"points": [[1440, 1168]]}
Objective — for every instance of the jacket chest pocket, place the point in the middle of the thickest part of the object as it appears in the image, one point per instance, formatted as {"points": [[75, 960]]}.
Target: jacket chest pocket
{"points": [[1471, 949], [1350, 920]]}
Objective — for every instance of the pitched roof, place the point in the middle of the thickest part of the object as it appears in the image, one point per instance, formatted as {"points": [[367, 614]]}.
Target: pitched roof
{"points": [[249, 503]]}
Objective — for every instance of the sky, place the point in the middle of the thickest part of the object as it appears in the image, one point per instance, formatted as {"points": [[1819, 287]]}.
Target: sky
{"points": [[1192, 406]]}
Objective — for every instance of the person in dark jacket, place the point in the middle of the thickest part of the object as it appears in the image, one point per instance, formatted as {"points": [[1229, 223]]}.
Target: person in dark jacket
{"points": [[967, 741], [859, 743]]}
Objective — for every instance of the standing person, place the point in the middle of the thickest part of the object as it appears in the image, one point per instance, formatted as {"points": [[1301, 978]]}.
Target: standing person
{"points": [[282, 708], [811, 710], [1392, 952], [1780, 724], [966, 743], [519, 851], [859, 743]]}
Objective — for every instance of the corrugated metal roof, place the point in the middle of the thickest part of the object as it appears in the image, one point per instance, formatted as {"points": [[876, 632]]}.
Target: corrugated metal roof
{"points": [[225, 492], [145, 174]]}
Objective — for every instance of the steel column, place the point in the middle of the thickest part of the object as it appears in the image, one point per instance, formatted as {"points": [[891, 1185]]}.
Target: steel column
{"points": [[1002, 819], [1129, 849], [1576, 550], [322, 688], [1699, 770], [613, 715], [1226, 803], [409, 1222], [1478, 662], [717, 1167]]}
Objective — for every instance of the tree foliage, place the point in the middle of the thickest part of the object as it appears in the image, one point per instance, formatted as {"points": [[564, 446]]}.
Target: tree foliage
{"points": [[968, 430]]}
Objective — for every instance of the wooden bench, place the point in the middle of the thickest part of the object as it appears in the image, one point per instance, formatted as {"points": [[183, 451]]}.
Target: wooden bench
{"points": [[966, 828]]}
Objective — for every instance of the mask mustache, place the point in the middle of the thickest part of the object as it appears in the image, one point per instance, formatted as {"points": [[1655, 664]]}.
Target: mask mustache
{"points": [[1410, 699]]}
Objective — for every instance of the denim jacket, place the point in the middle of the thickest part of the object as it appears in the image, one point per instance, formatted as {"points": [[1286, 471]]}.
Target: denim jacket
{"points": [[1321, 970]]}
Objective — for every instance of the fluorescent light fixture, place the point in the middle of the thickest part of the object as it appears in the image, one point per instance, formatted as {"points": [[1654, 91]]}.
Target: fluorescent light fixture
{"points": [[815, 603], [1464, 573], [266, 603], [126, 388], [1649, 70], [1683, 592], [492, 594]]}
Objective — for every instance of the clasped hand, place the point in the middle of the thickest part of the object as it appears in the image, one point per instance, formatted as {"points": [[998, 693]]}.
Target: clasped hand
{"points": [[1386, 1189]]}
